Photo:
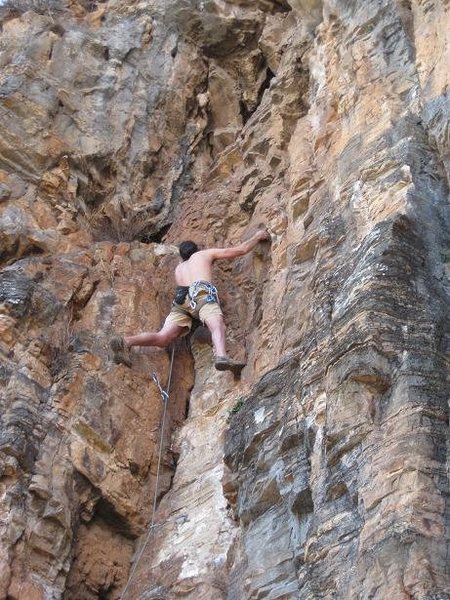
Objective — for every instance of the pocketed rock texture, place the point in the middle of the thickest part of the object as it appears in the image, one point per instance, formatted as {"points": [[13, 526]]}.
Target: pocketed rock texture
{"points": [[128, 126]]}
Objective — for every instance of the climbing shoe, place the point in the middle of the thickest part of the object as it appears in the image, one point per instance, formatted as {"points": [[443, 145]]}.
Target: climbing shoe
{"points": [[223, 363], [120, 352]]}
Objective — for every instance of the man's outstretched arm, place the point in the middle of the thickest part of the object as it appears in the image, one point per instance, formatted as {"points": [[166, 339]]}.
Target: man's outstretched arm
{"points": [[241, 249]]}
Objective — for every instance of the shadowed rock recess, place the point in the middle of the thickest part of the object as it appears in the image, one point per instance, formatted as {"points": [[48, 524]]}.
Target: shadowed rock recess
{"points": [[127, 126]]}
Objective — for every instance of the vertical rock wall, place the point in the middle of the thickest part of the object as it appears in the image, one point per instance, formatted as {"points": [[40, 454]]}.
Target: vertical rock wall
{"points": [[128, 126]]}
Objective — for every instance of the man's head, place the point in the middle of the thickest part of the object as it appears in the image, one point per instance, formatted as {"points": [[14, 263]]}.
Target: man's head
{"points": [[187, 249]]}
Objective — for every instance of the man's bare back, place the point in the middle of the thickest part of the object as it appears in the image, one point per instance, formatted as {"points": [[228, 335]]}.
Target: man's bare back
{"points": [[198, 267]]}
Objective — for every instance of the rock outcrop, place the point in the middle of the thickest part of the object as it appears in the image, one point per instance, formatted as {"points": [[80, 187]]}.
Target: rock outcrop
{"points": [[128, 126]]}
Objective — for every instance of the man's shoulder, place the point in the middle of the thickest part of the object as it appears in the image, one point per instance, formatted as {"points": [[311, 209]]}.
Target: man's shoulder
{"points": [[206, 254]]}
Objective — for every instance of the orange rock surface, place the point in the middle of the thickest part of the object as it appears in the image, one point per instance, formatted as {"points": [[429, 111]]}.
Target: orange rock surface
{"points": [[130, 126]]}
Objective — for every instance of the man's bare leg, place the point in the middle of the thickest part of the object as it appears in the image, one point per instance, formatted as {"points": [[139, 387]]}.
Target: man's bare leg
{"points": [[161, 339], [121, 345], [216, 326]]}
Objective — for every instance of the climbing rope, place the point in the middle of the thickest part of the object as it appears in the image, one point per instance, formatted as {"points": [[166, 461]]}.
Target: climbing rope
{"points": [[165, 398]]}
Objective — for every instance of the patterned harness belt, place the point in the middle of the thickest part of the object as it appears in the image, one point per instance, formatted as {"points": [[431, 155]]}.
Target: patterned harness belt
{"points": [[192, 292], [196, 288]]}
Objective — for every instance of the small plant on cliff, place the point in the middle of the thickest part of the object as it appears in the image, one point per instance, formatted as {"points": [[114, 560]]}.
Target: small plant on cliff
{"points": [[57, 343], [236, 408], [116, 224]]}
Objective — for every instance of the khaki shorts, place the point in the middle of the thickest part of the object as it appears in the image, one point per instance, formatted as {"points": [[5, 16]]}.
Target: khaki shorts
{"points": [[180, 317]]}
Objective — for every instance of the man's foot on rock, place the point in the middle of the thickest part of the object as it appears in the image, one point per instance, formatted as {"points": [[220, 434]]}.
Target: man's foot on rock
{"points": [[224, 363], [121, 352]]}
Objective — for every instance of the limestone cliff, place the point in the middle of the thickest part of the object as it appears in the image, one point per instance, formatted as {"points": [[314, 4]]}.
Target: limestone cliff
{"points": [[127, 126]]}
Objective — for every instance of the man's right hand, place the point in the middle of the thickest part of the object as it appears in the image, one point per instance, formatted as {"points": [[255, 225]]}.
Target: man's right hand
{"points": [[263, 235]]}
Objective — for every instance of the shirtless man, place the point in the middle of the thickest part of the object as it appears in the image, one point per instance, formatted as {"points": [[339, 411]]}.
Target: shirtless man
{"points": [[196, 298]]}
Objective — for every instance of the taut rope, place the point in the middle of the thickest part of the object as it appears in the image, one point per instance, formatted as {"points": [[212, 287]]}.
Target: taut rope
{"points": [[165, 399]]}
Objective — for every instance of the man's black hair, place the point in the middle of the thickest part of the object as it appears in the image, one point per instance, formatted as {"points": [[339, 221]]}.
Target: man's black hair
{"points": [[187, 249]]}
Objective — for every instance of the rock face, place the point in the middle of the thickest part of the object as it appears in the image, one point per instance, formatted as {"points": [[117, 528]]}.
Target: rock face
{"points": [[128, 126]]}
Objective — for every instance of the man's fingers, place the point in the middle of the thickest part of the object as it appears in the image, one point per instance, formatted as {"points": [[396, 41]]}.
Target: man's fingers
{"points": [[261, 234], [264, 235]]}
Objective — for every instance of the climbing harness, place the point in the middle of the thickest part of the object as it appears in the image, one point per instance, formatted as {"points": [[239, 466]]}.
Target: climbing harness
{"points": [[198, 286], [191, 299], [165, 398], [192, 291]]}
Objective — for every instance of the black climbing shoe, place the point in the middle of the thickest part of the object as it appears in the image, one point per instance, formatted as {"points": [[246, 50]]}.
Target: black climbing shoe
{"points": [[121, 353], [223, 363]]}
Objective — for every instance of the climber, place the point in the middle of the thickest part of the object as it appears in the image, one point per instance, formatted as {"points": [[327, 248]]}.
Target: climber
{"points": [[195, 298]]}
